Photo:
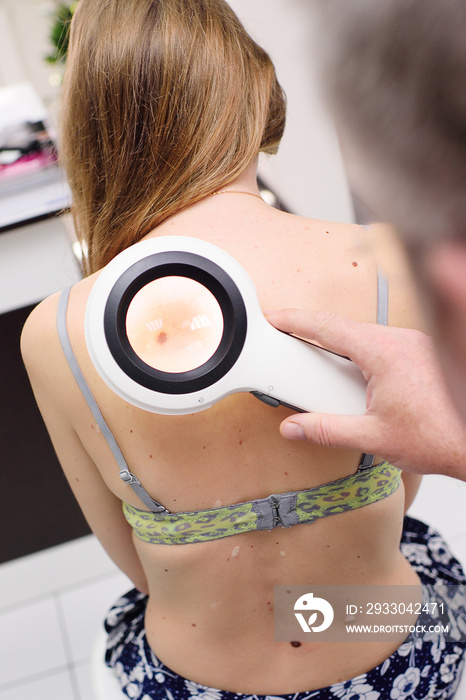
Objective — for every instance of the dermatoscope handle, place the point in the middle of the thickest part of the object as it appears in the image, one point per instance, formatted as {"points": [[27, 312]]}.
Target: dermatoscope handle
{"points": [[312, 379]]}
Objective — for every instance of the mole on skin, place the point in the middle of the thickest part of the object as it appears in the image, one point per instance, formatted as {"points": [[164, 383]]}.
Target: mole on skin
{"points": [[174, 324]]}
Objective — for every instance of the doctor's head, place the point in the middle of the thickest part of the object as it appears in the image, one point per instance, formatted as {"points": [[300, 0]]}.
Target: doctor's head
{"points": [[395, 74]]}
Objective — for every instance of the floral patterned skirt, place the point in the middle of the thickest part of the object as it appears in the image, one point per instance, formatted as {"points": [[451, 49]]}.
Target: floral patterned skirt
{"points": [[424, 667]]}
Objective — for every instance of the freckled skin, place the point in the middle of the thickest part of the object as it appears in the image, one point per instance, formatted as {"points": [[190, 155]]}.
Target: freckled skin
{"points": [[191, 461]]}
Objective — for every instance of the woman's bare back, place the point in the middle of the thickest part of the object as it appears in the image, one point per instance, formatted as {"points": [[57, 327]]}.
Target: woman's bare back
{"points": [[210, 613]]}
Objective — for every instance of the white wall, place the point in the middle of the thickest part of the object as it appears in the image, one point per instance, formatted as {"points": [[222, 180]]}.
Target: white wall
{"points": [[307, 172], [24, 42], [35, 260]]}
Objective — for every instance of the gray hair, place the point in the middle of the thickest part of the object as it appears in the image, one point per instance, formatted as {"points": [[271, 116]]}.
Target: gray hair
{"points": [[394, 72]]}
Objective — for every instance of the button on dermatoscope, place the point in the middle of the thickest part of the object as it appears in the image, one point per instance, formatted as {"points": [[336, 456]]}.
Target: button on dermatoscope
{"points": [[269, 400]]}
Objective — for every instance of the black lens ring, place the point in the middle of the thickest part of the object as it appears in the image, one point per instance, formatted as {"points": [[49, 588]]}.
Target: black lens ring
{"points": [[180, 264]]}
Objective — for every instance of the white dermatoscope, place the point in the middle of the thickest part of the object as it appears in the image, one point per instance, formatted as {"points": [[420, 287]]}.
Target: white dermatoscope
{"points": [[173, 325]]}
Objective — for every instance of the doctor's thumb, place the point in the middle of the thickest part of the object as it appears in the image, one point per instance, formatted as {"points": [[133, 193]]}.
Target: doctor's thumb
{"points": [[326, 430]]}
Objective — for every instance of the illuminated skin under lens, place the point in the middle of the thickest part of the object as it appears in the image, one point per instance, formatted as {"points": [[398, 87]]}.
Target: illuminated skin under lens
{"points": [[174, 324]]}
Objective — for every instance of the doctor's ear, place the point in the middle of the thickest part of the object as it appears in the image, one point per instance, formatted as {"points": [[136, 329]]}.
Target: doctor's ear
{"points": [[444, 281], [444, 268]]}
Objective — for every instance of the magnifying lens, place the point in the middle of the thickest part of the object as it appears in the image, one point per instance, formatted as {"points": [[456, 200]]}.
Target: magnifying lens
{"points": [[173, 324]]}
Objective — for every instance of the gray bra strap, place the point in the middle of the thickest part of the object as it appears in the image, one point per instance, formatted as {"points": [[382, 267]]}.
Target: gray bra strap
{"points": [[382, 294], [125, 474], [382, 298], [367, 460]]}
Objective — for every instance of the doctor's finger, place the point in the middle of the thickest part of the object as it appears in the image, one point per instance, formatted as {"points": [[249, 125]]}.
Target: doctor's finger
{"points": [[347, 432], [332, 331]]}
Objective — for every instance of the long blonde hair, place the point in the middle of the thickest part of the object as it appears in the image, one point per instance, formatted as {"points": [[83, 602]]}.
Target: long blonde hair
{"points": [[164, 102]]}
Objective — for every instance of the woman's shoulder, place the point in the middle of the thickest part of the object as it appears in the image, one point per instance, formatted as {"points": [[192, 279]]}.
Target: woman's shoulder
{"points": [[41, 353], [387, 250], [338, 241], [40, 343], [38, 330], [349, 258], [323, 226]]}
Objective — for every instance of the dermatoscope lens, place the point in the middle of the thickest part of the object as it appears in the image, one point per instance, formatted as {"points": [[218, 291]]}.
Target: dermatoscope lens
{"points": [[174, 324]]}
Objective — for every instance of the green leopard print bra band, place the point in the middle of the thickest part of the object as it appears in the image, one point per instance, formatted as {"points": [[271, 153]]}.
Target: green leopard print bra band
{"points": [[280, 510], [158, 526]]}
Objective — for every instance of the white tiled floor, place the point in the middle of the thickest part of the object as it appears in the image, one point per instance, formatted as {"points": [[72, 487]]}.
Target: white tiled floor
{"points": [[52, 603], [51, 607]]}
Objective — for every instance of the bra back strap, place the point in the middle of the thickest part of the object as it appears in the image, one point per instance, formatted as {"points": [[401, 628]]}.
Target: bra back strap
{"points": [[382, 298], [367, 460], [125, 474]]}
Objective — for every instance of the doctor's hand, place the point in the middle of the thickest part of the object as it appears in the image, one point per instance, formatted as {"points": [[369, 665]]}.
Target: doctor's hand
{"points": [[409, 419]]}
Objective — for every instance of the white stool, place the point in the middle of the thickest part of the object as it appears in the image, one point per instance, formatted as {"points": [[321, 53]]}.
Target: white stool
{"points": [[105, 685], [461, 690]]}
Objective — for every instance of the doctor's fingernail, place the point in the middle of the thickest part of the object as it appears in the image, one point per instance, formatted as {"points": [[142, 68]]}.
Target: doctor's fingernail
{"points": [[292, 431]]}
